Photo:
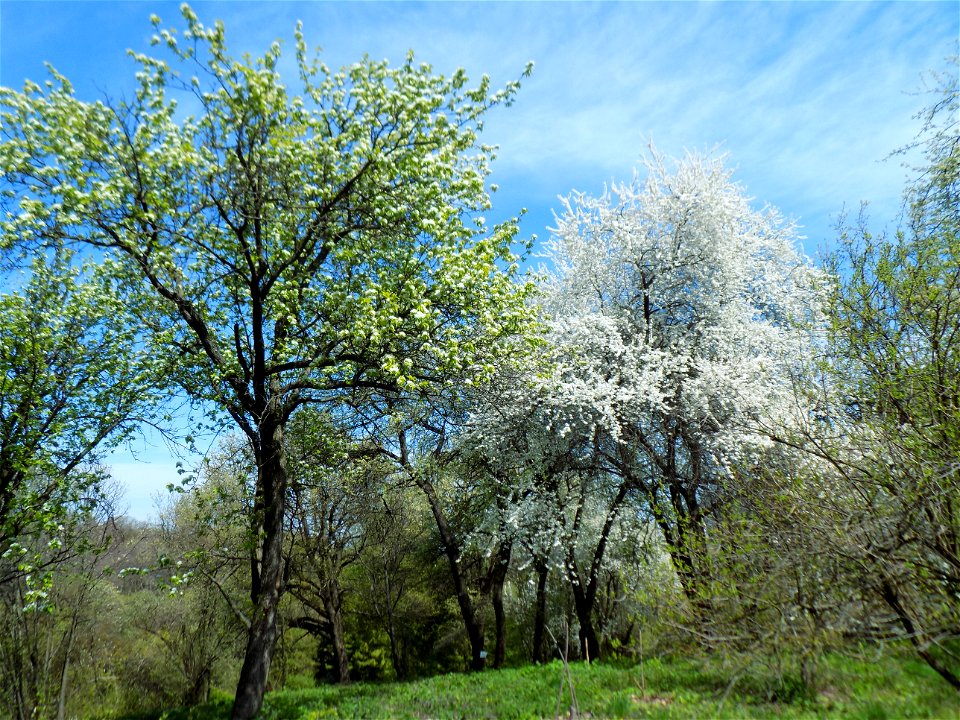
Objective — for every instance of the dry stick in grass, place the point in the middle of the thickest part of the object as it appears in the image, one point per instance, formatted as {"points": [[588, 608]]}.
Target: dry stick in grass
{"points": [[574, 706], [643, 677]]}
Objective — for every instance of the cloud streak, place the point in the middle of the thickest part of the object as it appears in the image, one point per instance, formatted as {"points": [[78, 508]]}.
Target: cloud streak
{"points": [[807, 98]]}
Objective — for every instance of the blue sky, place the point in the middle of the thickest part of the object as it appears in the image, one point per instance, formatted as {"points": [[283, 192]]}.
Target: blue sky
{"points": [[807, 99]]}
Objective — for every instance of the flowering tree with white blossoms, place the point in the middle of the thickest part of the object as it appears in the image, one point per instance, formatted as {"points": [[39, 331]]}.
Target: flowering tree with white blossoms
{"points": [[287, 247], [679, 317], [554, 498]]}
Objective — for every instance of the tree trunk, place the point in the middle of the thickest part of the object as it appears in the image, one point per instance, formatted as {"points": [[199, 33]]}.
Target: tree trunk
{"points": [[585, 594], [498, 577], [399, 666], [500, 621], [472, 623], [268, 581], [680, 520], [892, 598], [540, 613], [62, 698], [681, 560], [200, 690], [589, 642], [331, 605]]}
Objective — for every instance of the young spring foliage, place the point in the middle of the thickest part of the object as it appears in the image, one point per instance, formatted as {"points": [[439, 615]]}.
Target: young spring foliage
{"points": [[895, 341], [71, 384], [313, 238], [286, 246]]}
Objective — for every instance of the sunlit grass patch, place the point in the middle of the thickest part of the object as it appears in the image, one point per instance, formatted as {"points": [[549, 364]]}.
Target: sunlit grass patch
{"points": [[869, 687]]}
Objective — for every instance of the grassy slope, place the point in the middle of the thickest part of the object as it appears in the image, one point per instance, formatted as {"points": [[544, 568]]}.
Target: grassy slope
{"points": [[680, 688]]}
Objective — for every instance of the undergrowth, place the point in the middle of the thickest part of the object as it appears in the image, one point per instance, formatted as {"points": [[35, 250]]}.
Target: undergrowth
{"points": [[878, 687]]}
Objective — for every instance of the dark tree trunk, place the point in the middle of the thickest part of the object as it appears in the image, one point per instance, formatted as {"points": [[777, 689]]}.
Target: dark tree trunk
{"points": [[500, 650], [540, 613], [399, 664], [681, 559], [497, 578], [199, 691], [267, 586], [471, 621], [331, 606], [583, 603], [892, 597], [686, 543], [473, 624], [585, 589]]}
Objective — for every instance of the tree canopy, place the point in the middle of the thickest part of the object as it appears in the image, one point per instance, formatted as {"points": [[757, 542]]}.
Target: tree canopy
{"points": [[72, 383], [287, 247]]}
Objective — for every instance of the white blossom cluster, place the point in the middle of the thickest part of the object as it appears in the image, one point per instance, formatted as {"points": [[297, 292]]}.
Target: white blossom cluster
{"points": [[674, 313], [672, 301]]}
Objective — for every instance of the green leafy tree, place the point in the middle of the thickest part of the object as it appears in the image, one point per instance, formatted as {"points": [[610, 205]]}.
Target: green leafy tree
{"points": [[71, 385], [896, 315], [286, 247], [393, 579], [52, 625], [335, 489]]}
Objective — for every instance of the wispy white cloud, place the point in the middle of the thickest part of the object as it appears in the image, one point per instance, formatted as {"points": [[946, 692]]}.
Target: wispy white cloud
{"points": [[807, 98]]}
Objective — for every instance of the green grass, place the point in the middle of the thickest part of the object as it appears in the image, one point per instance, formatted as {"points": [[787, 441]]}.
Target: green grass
{"points": [[883, 688]]}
